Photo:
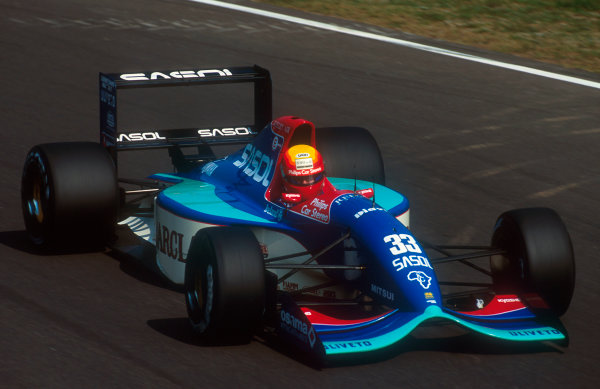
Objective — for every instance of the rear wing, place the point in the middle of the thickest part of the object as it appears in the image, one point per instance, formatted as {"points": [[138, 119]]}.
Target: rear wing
{"points": [[115, 139]]}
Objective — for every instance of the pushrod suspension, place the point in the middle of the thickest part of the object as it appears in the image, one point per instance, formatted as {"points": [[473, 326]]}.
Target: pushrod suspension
{"points": [[314, 257], [487, 251]]}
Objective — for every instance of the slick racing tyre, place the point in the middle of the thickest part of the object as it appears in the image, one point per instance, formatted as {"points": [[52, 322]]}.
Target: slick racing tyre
{"points": [[539, 256], [350, 152], [225, 284], [69, 195]]}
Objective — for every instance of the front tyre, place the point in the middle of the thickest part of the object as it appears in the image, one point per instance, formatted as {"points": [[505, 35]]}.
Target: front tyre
{"points": [[539, 256], [225, 284]]}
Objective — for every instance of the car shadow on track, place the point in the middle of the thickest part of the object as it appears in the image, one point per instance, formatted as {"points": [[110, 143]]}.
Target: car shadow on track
{"points": [[181, 330], [178, 328], [19, 240], [142, 272]]}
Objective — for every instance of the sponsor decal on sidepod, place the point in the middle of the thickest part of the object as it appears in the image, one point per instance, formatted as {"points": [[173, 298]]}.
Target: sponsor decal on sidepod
{"points": [[169, 242], [317, 210], [255, 164]]}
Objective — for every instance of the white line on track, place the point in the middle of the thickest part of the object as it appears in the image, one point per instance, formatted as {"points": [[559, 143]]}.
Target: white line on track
{"points": [[400, 42]]}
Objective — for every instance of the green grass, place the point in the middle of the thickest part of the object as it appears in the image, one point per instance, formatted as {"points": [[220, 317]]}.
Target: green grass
{"points": [[564, 32]]}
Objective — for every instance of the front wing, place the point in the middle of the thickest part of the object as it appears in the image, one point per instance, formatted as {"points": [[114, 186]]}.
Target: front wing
{"points": [[318, 331]]}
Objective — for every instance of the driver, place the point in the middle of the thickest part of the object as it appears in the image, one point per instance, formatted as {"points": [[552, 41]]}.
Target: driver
{"points": [[302, 171]]}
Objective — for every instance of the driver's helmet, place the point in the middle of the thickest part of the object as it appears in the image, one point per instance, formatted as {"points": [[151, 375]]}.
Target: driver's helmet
{"points": [[302, 171]]}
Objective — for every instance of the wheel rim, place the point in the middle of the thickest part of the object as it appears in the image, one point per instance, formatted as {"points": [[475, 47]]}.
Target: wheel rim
{"points": [[34, 204], [198, 295], [209, 293], [200, 299], [35, 197]]}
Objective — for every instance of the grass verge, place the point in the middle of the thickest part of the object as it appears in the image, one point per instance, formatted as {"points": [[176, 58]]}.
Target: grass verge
{"points": [[564, 32]]}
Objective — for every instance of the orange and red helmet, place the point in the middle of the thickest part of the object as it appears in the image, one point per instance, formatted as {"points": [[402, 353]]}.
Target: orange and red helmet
{"points": [[302, 170]]}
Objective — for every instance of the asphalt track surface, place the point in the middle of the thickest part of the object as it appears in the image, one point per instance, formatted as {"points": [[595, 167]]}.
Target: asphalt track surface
{"points": [[464, 141]]}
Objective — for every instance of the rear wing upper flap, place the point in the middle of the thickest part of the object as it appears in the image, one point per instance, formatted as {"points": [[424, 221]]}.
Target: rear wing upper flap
{"points": [[115, 139]]}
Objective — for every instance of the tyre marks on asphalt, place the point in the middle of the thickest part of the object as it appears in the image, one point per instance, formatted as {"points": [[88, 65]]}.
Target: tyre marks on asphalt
{"points": [[556, 190], [461, 150], [591, 131], [498, 170], [531, 175], [152, 25]]}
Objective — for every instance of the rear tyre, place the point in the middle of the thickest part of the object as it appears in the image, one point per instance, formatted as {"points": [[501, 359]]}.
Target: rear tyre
{"points": [[539, 256], [69, 195], [350, 152], [225, 284]]}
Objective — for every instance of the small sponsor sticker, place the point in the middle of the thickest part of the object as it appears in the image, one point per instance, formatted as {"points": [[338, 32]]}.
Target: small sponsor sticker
{"points": [[509, 300], [304, 163], [421, 278]]}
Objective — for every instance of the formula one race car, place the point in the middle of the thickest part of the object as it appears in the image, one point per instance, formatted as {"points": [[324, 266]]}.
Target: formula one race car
{"points": [[261, 240]]}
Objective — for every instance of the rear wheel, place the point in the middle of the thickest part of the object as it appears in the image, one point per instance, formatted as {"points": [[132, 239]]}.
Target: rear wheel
{"points": [[69, 195], [350, 152], [539, 256], [225, 284]]}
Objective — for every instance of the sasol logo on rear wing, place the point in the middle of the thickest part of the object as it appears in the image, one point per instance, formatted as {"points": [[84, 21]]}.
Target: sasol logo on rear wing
{"points": [[140, 137], [176, 136], [177, 74], [229, 131], [116, 139]]}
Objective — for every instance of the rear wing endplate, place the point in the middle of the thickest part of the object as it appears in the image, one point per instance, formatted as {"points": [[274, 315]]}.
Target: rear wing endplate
{"points": [[115, 140]]}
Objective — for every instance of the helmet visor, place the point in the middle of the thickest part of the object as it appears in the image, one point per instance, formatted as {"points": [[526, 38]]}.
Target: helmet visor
{"points": [[304, 180]]}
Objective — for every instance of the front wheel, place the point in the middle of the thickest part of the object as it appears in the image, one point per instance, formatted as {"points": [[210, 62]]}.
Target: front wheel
{"points": [[225, 284], [539, 256]]}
